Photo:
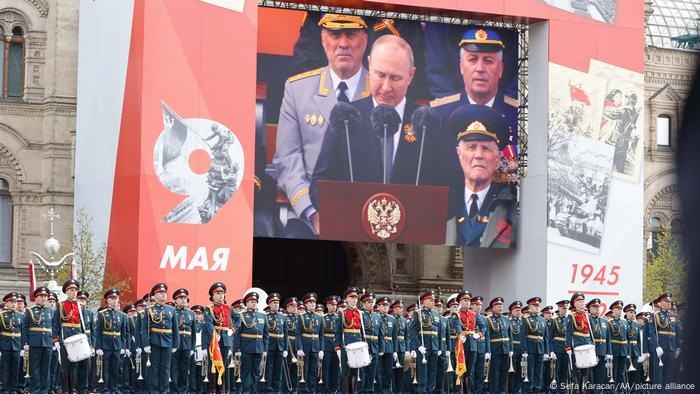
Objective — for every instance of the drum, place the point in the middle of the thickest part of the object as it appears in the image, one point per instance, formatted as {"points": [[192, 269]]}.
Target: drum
{"points": [[77, 347], [585, 356], [358, 354]]}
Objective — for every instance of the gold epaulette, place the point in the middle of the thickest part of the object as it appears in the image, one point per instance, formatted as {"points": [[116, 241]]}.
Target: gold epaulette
{"points": [[513, 102], [305, 74], [104, 310], [444, 100]]}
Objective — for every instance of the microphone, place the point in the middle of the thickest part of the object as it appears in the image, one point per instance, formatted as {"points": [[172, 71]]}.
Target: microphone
{"points": [[424, 118], [385, 122], [345, 117]]}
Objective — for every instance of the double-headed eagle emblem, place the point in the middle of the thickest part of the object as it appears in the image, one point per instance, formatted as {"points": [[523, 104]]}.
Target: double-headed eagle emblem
{"points": [[383, 216]]}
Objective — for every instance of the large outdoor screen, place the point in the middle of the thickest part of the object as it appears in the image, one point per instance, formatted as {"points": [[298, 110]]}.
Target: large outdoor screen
{"points": [[381, 130]]}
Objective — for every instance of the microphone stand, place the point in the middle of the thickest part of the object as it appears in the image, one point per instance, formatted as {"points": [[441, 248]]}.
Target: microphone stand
{"points": [[347, 139], [420, 155], [385, 153]]}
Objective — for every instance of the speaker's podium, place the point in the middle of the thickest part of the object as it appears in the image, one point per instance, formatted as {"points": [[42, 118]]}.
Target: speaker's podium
{"points": [[376, 212]]}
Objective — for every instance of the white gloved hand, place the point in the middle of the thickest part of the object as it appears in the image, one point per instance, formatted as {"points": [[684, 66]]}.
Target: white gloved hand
{"points": [[320, 354], [264, 354], [57, 346], [99, 352], [173, 351], [138, 350], [463, 338], [545, 357], [447, 353], [608, 357], [678, 352], [26, 348], [659, 351], [640, 359], [238, 354], [191, 353], [487, 356], [338, 353], [413, 354], [395, 356], [128, 353], [381, 354], [147, 349], [406, 354], [510, 354], [439, 353], [422, 350], [21, 353], [300, 353], [92, 352], [553, 356], [285, 354], [122, 352], [525, 356], [568, 352], [646, 355]]}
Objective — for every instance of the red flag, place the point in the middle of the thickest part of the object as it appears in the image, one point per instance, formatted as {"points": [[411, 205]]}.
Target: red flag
{"points": [[461, 362], [217, 360], [578, 94], [32, 281]]}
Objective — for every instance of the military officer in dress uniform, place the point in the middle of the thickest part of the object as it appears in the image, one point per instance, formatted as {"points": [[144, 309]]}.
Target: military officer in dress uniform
{"points": [[111, 340], [291, 306], [425, 328], [578, 333], [601, 335], [349, 332], [309, 342], [661, 332], [182, 358], [83, 368], [401, 345], [10, 343], [515, 380], [634, 340], [535, 346], [21, 308], [557, 344], [483, 346], [161, 338], [196, 373], [129, 375], [501, 346], [250, 342], [482, 211], [547, 357], [54, 386], [445, 346], [276, 345], [141, 385], [306, 107], [481, 66], [331, 362], [68, 320], [619, 343], [37, 337], [374, 337], [218, 326], [389, 330]]}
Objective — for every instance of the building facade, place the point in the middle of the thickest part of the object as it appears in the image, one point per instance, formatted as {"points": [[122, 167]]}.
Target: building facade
{"points": [[39, 62]]}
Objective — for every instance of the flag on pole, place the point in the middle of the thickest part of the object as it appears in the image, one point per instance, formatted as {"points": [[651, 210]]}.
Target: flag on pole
{"points": [[461, 362], [217, 360], [32, 281], [578, 94]]}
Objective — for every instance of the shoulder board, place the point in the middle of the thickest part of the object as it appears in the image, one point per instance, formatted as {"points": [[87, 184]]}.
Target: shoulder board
{"points": [[444, 100], [305, 74], [103, 311], [513, 102]]}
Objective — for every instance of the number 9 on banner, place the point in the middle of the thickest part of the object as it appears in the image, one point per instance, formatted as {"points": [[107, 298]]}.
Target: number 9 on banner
{"points": [[200, 159]]}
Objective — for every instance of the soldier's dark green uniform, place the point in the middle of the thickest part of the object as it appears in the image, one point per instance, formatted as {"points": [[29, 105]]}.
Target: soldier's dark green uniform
{"points": [[331, 362], [401, 344], [557, 345], [69, 319], [425, 328], [515, 380], [111, 340], [291, 326], [276, 345], [83, 369], [10, 343], [483, 346], [601, 335], [309, 342], [160, 336], [619, 344], [250, 343], [661, 331], [533, 339], [446, 345], [501, 346], [634, 341], [374, 337], [389, 329], [183, 357], [37, 337]]}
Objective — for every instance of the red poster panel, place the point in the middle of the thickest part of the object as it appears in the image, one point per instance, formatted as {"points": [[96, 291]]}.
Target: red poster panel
{"points": [[182, 211]]}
